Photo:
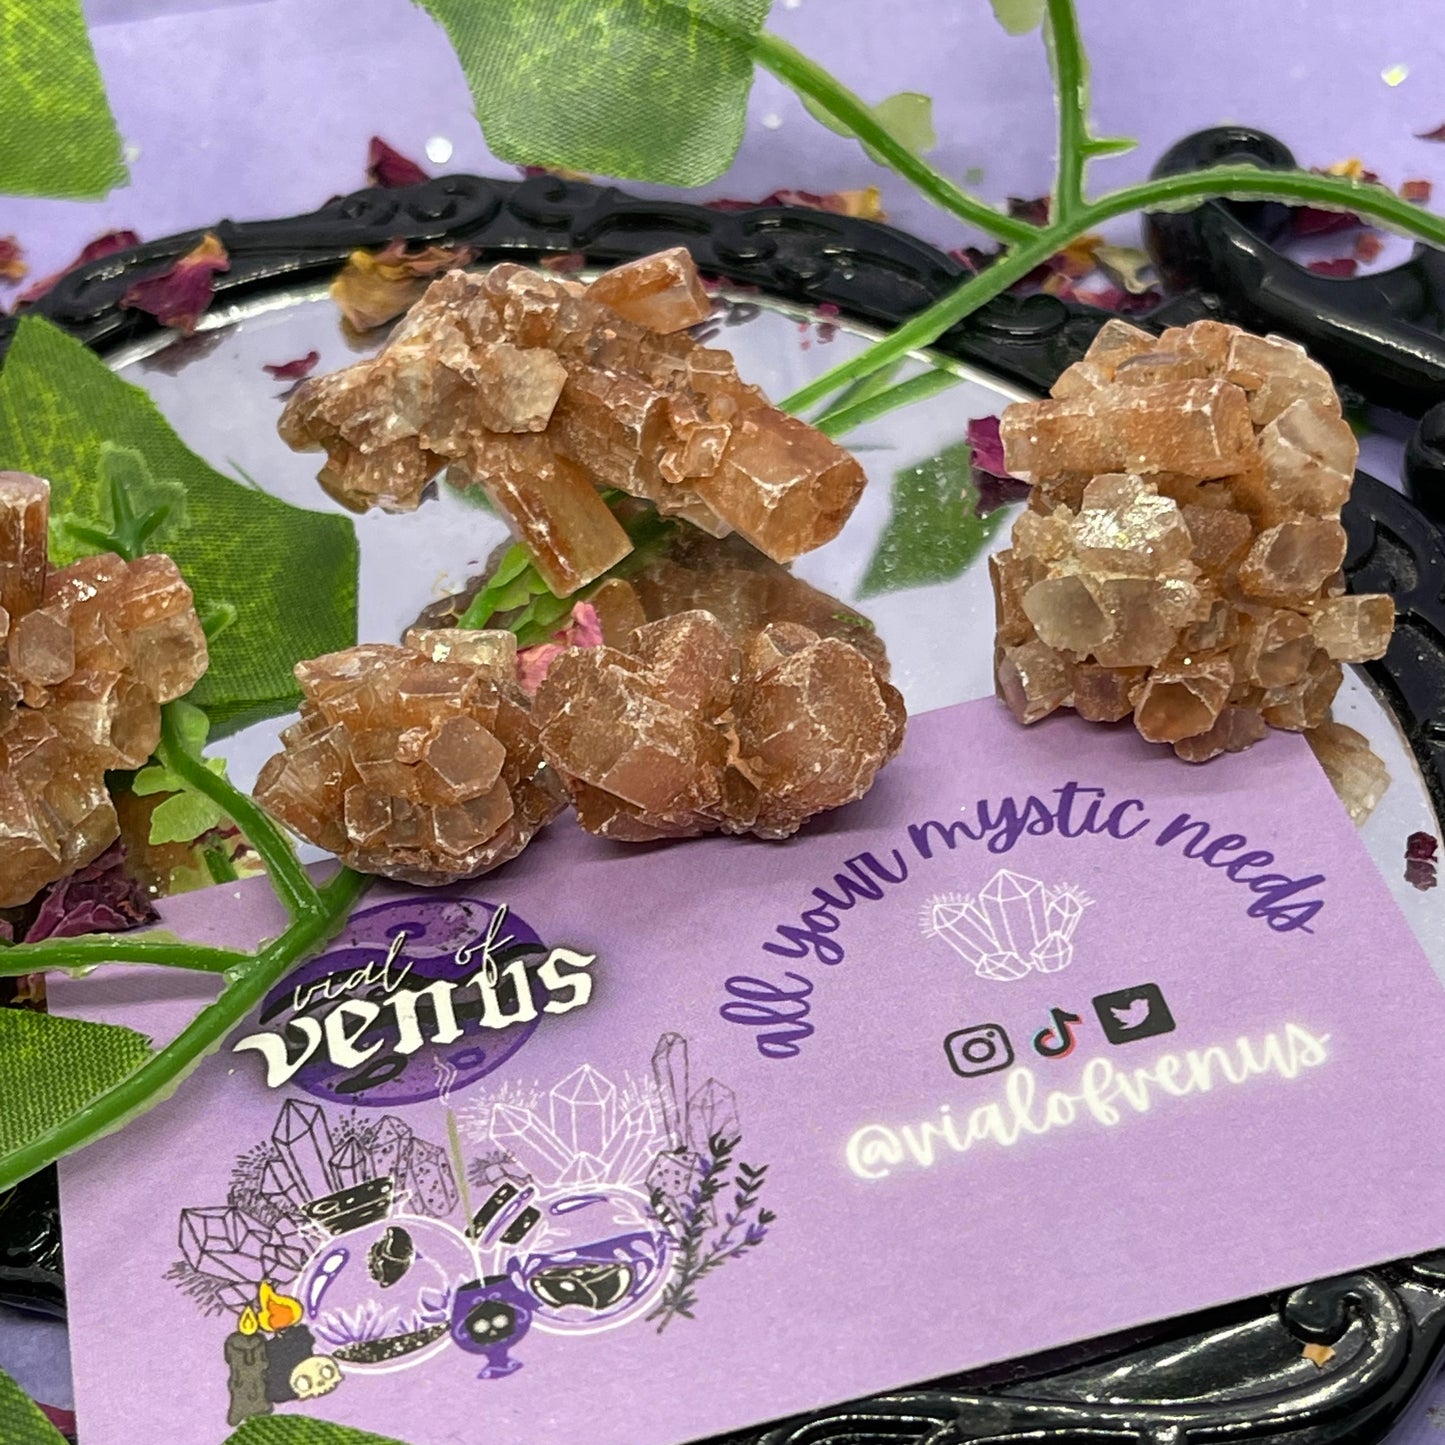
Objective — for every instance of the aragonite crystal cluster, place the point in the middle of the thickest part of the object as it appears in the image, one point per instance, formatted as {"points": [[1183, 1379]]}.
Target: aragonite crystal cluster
{"points": [[1180, 559], [88, 653], [691, 728], [541, 390], [417, 762]]}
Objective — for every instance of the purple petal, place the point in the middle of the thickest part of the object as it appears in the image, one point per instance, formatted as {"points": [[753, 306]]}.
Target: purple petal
{"points": [[99, 898], [388, 167]]}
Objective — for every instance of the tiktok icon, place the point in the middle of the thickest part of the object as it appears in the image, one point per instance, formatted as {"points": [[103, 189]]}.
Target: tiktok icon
{"points": [[1058, 1040]]}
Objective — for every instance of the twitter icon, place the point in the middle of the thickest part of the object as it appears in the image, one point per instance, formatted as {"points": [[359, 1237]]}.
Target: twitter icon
{"points": [[1133, 1013]]}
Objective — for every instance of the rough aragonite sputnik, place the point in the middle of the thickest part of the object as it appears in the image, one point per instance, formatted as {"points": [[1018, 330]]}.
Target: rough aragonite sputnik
{"points": [[418, 762], [540, 390], [88, 654], [692, 728], [1180, 558]]}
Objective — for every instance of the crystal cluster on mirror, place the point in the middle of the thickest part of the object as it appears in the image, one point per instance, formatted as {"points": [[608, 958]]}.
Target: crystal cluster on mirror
{"points": [[88, 653], [419, 762], [542, 390], [1179, 563]]}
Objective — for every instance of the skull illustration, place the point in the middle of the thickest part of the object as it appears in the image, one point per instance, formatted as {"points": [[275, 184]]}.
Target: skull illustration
{"points": [[316, 1376]]}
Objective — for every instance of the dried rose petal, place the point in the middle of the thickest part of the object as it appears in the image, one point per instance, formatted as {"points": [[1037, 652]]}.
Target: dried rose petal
{"points": [[986, 445], [12, 259], [1338, 266], [1035, 211], [374, 287], [1417, 191], [1313, 221], [1420, 874], [106, 245], [991, 479], [292, 370], [1368, 245], [179, 296], [98, 898], [583, 630], [1437, 134], [1422, 846], [388, 167]]}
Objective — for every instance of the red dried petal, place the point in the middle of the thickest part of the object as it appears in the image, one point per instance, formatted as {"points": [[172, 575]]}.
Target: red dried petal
{"points": [[292, 370], [864, 202], [373, 287], [179, 297], [1421, 846], [1437, 134], [1420, 874], [974, 258], [1035, 211], [12, 259], [388, 167], [1313, 221], [1339, 266], [1417, 191], [99, 898], [1368, 245], [986, 446], [106, 245]]}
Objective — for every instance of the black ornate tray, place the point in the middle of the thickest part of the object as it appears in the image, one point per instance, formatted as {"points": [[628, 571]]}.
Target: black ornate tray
{"points": [[1237, 1373]]}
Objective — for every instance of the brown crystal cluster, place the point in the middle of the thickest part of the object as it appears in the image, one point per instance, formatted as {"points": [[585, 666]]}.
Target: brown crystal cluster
{"points": [[540, 390], [419, 762], [88, 653], [692, 728], [1180, 561]]}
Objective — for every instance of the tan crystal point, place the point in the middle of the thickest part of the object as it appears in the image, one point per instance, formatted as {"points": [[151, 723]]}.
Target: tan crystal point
{"points": [[87, 655], [1356, 774], [418, 763], [661, 291], [1201, 427], [1354, 629], [694, 729], [1179, 559], [538, 391]]}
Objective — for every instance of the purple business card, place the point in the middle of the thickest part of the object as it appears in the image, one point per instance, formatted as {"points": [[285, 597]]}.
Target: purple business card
{"points": [[1049, 1036]]}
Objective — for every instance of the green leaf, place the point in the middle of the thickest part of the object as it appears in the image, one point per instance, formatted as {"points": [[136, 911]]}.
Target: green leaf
{"points": [[1018, 17], [302, 1430], [932, 534], [649, 90], [142, 514], [54, 1066], [290, 574], [57, 135], [183, 818], [907, 117], [21, 1422]]}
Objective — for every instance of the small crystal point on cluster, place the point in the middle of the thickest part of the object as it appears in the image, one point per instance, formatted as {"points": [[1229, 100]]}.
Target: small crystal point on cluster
{"points": [[1180, 561], [540, 390], [88, 653], [418, 762], [690, 728]]}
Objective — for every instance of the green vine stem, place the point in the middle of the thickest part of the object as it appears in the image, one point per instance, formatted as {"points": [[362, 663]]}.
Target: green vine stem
{"points": [[1071, 85], [1168, 193], [70, 953], [808, 78], [292, 883], [247, 983], [844, 416]]}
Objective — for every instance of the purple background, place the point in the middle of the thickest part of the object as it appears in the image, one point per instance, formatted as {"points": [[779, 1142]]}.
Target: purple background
{"points": [[1083, 1231], [252, 108]]}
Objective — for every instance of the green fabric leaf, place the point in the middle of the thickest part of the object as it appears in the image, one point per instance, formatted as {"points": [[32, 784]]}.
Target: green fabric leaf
{"points": [[57, 135], [1018, 17], [21, 1422], [55, 1066], [289, 573], [650, 90], [298, 1430], [907, 117], [932, 534], [183, 818], [142, 514]]}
